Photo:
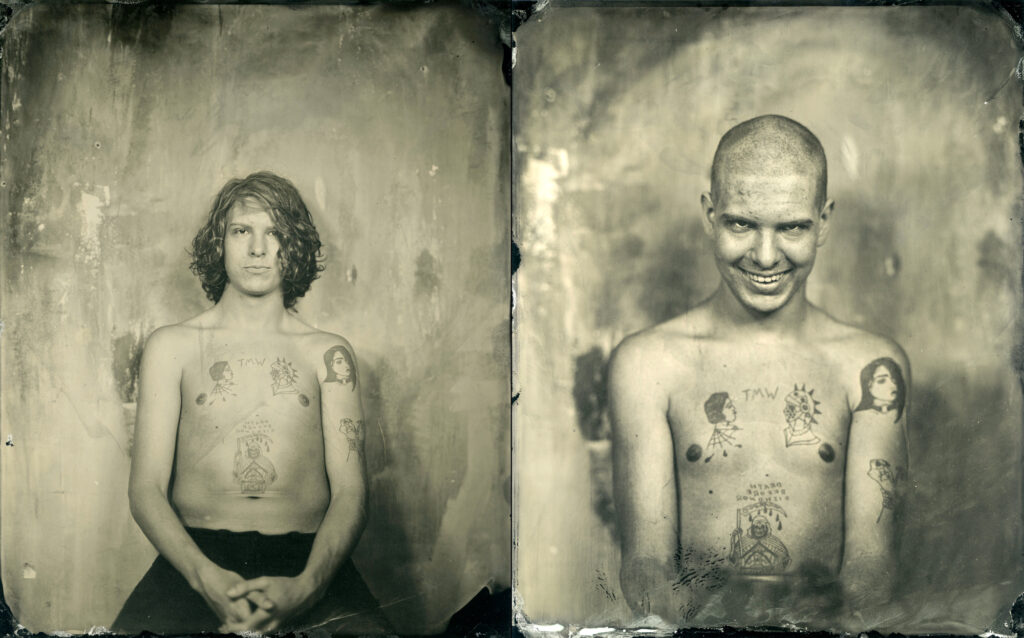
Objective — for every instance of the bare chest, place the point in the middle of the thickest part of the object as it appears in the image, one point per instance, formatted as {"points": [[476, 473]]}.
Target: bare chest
{"points": [[753, 413]]}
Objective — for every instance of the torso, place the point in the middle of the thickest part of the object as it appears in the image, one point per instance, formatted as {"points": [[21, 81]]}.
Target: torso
{"points": [[250, 452], [760, 485]]}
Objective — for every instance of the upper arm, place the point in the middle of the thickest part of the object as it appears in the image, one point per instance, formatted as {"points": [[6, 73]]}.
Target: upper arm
{"points": [[341, 414], [642, 455], [159, 407], [876, 464]]}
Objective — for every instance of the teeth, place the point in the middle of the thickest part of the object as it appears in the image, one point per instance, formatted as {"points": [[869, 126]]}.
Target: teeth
{"points": [[761, 279]]}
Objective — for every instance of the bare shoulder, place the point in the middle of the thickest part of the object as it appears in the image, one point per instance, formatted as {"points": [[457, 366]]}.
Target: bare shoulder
{"points": [[856, 346], [656, 356], [169, 342]]}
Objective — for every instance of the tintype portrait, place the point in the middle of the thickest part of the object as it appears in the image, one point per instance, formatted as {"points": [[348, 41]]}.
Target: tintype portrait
{"points": [[765, 318], [255, 318]]}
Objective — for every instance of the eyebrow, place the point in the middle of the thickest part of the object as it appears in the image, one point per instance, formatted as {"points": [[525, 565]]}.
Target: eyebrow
{"points": [[731, 217]]}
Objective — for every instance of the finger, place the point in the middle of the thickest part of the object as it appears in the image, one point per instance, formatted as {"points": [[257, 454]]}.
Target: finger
{"points": [[259, 620], [260, 599], [238, 610], [241, 589]]}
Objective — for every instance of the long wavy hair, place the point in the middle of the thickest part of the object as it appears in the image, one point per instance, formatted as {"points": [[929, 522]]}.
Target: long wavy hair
{"points": [[300, 255]]}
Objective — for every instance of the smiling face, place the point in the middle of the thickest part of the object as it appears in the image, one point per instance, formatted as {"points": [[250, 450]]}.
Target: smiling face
{"points": [[251, 251], [766, 231]]}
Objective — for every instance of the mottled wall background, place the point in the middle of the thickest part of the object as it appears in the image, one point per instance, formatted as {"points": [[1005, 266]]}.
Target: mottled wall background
{"points": [[617, 114], [119, 126]]}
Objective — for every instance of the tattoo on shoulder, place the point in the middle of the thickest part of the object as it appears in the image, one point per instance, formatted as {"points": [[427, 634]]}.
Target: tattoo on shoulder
{"points": [[353, 431], [882, 472], [341, 368], [882, 388], [758, 550], [721, 413], [223, 384], [800, 411]]}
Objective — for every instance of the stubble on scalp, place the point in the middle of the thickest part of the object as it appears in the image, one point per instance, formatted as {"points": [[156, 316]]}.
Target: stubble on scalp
{"points": [[769, 146]]}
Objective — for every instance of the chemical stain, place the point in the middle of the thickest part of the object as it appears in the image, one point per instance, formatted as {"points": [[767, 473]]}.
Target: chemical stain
{"points": [[589, 394], [427, 279], [127, 351]]}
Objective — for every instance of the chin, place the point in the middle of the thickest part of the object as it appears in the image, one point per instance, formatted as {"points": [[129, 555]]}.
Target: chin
{"points": [[763, 304]]}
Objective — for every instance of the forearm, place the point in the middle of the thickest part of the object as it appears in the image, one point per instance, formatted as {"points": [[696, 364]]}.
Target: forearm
{"points": [[647, 586], [867, 581], [335, 540], [163, 528]]}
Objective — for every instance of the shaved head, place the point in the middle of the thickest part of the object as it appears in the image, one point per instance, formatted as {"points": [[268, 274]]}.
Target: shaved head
{"points": [[769, 146]]}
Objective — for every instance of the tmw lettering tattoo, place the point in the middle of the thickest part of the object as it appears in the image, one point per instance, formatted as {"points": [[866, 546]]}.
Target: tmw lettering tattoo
{"points": [[283, 377], [721, 413], [340, 366], [882, 388], [223, 382], [886, 476], [760, 393], [353, 431], [253, 471], [757, 551], [252, 362], [800, 410]]}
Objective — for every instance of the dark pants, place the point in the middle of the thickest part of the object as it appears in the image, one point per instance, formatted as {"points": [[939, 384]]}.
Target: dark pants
{"points": [[163, 601]]}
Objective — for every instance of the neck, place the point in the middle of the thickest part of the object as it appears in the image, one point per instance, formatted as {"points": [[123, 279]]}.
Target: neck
{"points": [[789, 320], [244, 312]]}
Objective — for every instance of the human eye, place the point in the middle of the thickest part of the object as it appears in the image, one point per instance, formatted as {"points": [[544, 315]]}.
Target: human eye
{"points": [[237, 230], [738, 225], [795, 229]]}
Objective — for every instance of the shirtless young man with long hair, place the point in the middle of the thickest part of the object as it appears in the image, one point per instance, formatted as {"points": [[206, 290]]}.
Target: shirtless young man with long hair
{"points": [[247, 472]]}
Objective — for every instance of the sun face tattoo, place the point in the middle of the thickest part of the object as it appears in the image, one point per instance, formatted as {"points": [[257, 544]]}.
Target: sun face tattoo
{"points": [[283, 377], [800, 410], [886, 476], [882, 387], [340, 366], [721, 413]]}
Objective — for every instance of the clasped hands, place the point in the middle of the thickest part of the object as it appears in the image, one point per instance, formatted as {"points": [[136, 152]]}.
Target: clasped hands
{"points": [[260, 604]]}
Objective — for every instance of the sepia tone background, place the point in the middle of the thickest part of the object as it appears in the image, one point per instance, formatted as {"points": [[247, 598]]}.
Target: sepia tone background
{"points": [[119, 126], [617, 114]]}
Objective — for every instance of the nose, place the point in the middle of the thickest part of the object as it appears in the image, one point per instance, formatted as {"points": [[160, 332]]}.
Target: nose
{"points": [[765, 252], [258, 245]]}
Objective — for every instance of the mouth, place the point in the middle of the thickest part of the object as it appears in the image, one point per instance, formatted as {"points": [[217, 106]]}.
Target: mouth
{"points": [[765, 279], [257, 268]]}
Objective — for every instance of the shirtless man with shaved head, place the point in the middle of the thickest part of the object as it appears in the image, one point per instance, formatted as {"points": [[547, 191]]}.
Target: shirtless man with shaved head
{"points": [[759, 443]]}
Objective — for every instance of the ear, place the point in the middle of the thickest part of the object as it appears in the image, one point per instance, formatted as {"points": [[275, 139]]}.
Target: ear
{"points": [[824, 217], [708, 218]]}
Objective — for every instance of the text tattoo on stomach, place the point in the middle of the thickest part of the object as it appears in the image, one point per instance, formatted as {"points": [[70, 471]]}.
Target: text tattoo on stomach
{"points": [[757, 550], [253, 469]]}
